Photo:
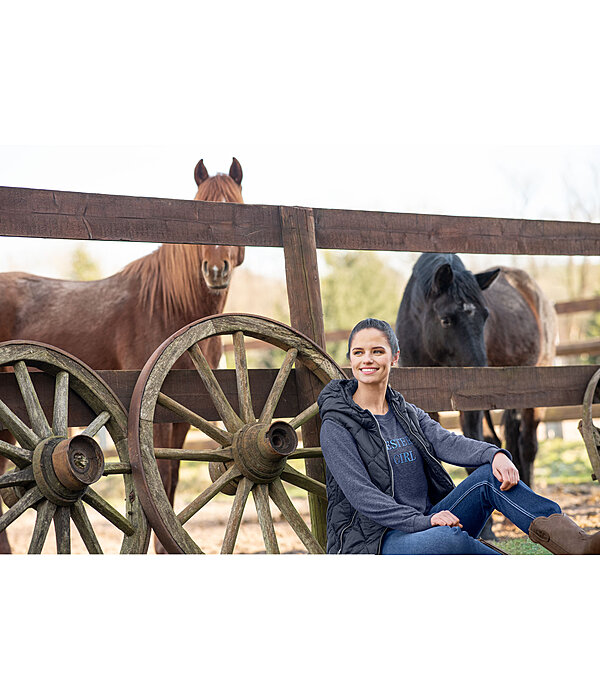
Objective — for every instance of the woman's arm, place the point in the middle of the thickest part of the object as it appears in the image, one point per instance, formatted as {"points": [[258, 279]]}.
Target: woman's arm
{"points": [[454, 448], [344, 462]]}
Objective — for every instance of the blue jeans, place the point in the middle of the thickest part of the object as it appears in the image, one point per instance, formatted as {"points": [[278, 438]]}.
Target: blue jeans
{"points": [[472, 501]]}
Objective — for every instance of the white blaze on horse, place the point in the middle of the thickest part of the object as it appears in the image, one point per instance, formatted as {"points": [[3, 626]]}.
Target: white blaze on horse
{"points": [[118, 322]]}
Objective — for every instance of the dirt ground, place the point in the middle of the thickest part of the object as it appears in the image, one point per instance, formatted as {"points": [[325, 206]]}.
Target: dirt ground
{"points": [[581, 502]]}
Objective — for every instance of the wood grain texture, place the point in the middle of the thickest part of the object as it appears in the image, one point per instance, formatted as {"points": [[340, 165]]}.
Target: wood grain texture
{"points": [[551, 386], [83, 216], [306, 315], [102, 217]]}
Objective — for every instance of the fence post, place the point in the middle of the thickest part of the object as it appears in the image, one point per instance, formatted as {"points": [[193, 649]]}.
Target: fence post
{"points": [[306, 316]]}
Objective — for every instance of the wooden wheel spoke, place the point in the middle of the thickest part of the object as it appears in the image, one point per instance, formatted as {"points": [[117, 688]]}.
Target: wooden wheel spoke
{"points": [[15, 425], [43, 521], [235, 517], [60, 411], [85, 529], [261, 501], [26, 501], [17, 477], [306, 452], [16, 454], [62, 529], [228, 415], [208, 494], [242, 379], [220, 436], [293, 476], [305, 416], [37, 418], [105, 509], [224, 455], [278, 385], [116, 468], [282, 501], [97, 424]]}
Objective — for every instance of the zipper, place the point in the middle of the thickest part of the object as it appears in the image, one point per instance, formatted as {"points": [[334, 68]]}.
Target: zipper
{"points": [[391, 475], [386, 454], [344, 530]]}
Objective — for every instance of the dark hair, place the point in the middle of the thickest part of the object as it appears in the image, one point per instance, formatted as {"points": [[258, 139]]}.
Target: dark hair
{"points": [[382, 326]]}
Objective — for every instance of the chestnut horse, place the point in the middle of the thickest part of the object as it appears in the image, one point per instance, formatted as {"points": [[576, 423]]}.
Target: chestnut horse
{"points": [[118, 322]]}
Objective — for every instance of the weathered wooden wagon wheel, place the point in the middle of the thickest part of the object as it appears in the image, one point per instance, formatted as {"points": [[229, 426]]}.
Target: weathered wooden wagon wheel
{"points": [[53, 474], [254, 451], [589, 432]]}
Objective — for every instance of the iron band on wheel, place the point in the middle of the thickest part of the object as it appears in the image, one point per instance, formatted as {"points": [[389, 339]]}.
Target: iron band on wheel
{"points": [[253, 452]]}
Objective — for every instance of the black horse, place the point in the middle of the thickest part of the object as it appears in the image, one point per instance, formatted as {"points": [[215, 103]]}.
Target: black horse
{"points": [[449, 317]]}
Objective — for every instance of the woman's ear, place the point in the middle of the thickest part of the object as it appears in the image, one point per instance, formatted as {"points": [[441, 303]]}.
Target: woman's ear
{"points": [[396, 358]]}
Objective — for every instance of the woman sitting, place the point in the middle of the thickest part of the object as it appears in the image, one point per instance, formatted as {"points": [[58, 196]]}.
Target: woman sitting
{"points": [[387, 491]]}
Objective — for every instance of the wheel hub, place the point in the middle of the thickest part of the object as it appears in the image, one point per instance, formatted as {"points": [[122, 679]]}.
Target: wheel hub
{"points": [[64, 468], [260, 449]]}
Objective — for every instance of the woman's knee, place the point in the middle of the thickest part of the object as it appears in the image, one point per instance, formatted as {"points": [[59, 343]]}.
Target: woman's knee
{"points": [[454, 540]]}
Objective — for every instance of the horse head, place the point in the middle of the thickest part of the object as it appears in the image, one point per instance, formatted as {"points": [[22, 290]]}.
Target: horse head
{"points": [[442, 314], [218, 261], [453, 324]]}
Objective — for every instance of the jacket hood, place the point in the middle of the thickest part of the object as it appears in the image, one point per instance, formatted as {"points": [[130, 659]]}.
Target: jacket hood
{"points": [[337, 396]]}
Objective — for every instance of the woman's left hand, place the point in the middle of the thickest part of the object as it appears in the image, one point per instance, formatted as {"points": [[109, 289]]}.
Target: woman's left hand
{"points": [[505, 471]]}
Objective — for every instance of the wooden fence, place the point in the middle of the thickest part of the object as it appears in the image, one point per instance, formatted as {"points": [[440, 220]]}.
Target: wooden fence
{"points": [[301, 231]]}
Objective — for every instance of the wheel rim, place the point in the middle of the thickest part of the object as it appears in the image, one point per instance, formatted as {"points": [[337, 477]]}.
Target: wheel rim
{"points": [[589, 432], [254, 449], [54, 473]]}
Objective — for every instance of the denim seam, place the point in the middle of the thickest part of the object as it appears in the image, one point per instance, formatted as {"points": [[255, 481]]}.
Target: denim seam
{"points": [[529, 515]]}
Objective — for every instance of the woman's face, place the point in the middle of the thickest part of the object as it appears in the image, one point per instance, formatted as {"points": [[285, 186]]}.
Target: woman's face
{"points": [[371, 357]]}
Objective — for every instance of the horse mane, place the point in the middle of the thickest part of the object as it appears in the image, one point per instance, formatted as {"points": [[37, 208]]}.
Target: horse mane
{"points": [[170, 277]]}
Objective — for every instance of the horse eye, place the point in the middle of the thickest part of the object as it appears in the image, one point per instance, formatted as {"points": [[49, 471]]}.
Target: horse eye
{"points": [[446, 321]]}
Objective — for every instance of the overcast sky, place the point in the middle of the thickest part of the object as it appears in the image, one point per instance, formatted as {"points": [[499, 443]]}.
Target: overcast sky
{"points": [[336, 107]]}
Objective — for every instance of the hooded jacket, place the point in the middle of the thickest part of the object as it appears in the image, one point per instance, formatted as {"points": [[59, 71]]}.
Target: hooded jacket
{"points": [[348, 530]]}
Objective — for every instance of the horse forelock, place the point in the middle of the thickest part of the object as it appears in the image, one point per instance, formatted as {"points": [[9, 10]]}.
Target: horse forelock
{"points": [[219, 188], [171, 283], [464, 289]]}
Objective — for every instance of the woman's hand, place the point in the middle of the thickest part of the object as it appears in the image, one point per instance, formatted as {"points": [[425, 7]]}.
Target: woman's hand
{"points": [[505, 471], [445, 517]]}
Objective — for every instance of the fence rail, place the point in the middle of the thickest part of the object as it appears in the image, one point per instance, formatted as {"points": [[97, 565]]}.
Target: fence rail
{"points": [[76, 215]]}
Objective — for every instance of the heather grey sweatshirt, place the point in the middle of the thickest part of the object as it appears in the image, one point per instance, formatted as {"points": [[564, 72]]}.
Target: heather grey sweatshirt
{"points": [[407, 509]]}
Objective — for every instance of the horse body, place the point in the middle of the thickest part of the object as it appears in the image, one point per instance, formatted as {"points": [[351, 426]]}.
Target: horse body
{"points": [[449, 317], [117, 322]]}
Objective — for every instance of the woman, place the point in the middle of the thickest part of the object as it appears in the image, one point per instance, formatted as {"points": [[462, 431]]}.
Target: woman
{"points": [[387, 490]]}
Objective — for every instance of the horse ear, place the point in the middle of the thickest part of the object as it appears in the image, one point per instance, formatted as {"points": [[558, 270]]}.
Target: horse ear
{"points": [[235, 172], [484, 279], [442, 279], [200, 172]]}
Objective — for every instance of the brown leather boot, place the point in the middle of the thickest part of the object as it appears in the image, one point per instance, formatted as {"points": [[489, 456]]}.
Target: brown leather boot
{"points": [[560, 535]]}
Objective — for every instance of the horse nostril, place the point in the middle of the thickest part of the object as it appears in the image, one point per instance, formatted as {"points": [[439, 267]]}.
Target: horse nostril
{"points": [[225, 268], [205, 267]]}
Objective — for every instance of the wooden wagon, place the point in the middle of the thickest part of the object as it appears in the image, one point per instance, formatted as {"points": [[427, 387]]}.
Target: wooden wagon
{"points": [[54, 474]]}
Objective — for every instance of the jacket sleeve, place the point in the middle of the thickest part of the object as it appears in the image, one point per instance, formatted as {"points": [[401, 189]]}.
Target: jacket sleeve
{"points": [[454, 448], [346, 466]]}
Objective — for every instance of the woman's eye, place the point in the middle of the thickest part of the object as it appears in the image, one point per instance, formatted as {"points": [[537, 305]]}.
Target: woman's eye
{"points": [[446, 321]]}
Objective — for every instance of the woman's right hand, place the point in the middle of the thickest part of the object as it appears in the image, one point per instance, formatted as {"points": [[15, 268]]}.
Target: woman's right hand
{"points": [[445, 517]]}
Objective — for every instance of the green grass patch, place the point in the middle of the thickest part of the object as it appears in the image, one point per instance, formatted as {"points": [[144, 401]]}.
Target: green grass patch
{"points": [[519, 545]]}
